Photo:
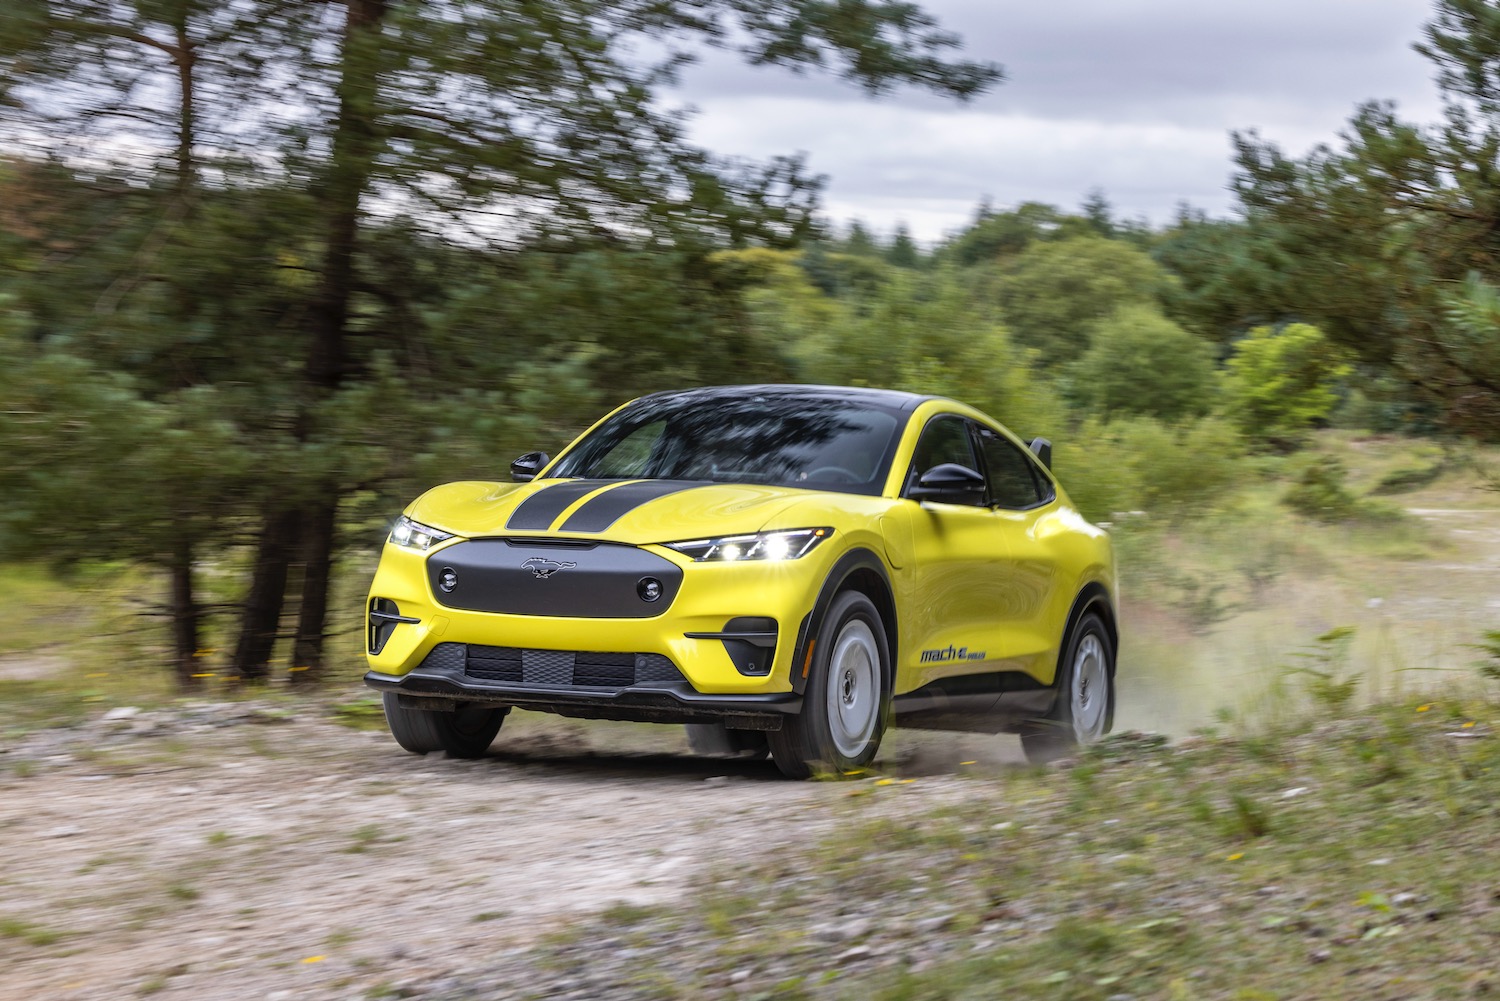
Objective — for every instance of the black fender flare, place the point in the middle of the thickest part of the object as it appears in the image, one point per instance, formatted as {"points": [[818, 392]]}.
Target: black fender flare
{"points": [[866, 572], [1092, 597]]}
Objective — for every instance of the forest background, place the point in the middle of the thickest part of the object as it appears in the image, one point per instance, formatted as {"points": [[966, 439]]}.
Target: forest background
{"points": [[268, 269]]}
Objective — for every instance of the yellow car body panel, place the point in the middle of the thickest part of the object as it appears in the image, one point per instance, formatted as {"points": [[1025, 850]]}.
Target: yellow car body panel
{"points": [[973, 590]]}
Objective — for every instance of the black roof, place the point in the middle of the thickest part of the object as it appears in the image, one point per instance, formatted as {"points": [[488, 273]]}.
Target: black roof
{"points": [[889, 398]]}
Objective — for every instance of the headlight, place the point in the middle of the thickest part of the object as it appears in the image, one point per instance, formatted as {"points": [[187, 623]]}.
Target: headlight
{"points": [[763, 546], [415, 535]]}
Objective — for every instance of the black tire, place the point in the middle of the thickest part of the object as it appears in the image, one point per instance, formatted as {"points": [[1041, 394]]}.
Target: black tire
{"points": [[1085, 675], [847, 699], [716, 738], [465, 732]]}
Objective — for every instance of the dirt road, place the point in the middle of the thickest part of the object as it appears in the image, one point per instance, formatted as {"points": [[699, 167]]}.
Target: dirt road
{"points": [[227, 852]]}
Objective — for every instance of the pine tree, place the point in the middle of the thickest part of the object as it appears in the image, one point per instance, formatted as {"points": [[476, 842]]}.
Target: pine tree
{"points": [[511, 124], [1372, 240]]}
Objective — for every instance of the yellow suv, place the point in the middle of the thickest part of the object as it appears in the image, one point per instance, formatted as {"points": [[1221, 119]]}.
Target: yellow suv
{"points": [[783, 568]]}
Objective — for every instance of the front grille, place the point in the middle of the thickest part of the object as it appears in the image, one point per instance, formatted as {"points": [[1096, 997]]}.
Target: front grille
{"points": [[551, 668], [543, 577]]}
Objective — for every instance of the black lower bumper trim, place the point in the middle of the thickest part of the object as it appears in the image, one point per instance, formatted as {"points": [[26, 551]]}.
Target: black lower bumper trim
{"points": [[660, 703]]}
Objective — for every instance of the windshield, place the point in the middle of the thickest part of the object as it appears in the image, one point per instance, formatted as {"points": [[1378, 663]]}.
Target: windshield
{"points": [[797, 441]]}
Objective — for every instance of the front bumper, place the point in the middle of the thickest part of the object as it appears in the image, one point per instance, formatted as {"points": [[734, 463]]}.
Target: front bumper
{"points": [[729, 631], [444, 679]]}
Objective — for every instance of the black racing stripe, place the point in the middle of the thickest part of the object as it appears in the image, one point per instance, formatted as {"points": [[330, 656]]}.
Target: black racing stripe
{"points": [[538, 511], [598, 513]]}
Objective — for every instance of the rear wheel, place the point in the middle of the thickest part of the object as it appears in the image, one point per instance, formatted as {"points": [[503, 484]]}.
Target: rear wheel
{"points": [[845, 704], [465, 732], [1085, 707]]}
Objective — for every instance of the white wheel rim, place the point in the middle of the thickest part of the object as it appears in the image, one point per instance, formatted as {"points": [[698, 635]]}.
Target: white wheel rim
{"points": [[1090, 695], [853, 688]]}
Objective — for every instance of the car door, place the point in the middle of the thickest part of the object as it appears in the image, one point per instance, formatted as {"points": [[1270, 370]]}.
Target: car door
{"points": [[958, 567], [1025, 584]]}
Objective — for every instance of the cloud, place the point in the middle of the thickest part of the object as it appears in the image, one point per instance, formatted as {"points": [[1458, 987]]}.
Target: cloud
{"points": [[1136, 97], [930, 168]]}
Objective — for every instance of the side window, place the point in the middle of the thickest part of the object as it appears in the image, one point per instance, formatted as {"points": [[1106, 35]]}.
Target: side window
{"points": [[944, 439], [1013, 481]]}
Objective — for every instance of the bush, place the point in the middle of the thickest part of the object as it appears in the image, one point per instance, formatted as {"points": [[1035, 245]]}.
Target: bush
{"points": [[1320, 491], [1283, 382], [1405, 479], [1140, 362], [1168, 471]]}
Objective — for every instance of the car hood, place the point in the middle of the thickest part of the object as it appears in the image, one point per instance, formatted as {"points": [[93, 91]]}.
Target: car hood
{"points": [[630, 511]]}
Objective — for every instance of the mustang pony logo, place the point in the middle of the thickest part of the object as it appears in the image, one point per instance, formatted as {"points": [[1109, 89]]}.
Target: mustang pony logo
{"points": [[542, 568]]}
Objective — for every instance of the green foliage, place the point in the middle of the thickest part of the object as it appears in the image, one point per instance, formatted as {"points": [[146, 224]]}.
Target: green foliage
{"points": [[919, 331], [903, 251], [94, 467], [1141, 363], [1471, 340], [1320, 490], [364, 713], [1198, 597], [1167, 471], [1370, 238], [1282, 382], [1222, 281], [29, 933], [1250, 818], [1326, 670], [1055, 292], [1490, 647], [1406, 478], [998, 236]]}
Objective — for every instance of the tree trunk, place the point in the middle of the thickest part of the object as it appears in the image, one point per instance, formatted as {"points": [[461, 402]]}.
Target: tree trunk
{"points": [[184, 618], [261, 620], [185, 55], [318, 535], [351, 165]]}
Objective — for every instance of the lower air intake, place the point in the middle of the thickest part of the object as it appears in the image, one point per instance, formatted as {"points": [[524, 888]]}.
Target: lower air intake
{"points": [[551, 668]]}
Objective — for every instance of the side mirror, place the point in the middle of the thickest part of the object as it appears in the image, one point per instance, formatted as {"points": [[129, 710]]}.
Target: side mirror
{"points": [[1042, 449], [949, 483], [524, 469]]}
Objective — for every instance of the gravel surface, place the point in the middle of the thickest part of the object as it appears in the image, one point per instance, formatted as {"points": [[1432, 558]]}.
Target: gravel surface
{"points": [[239, 851]]}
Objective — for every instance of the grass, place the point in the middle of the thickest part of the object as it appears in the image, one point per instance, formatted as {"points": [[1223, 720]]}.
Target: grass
{"points": [[31, 934], [184, 892], [362, 713], [368, 837], [1348, 859], [1216, 608], [41, 608]]}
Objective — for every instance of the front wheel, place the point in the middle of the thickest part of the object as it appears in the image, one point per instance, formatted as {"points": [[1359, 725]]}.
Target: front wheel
{"points": [[845, 704], [465, 732], [1085, 706]]}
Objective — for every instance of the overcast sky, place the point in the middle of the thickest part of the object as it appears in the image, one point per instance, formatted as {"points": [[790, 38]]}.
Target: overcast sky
{"points": [[1134, 97]]}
